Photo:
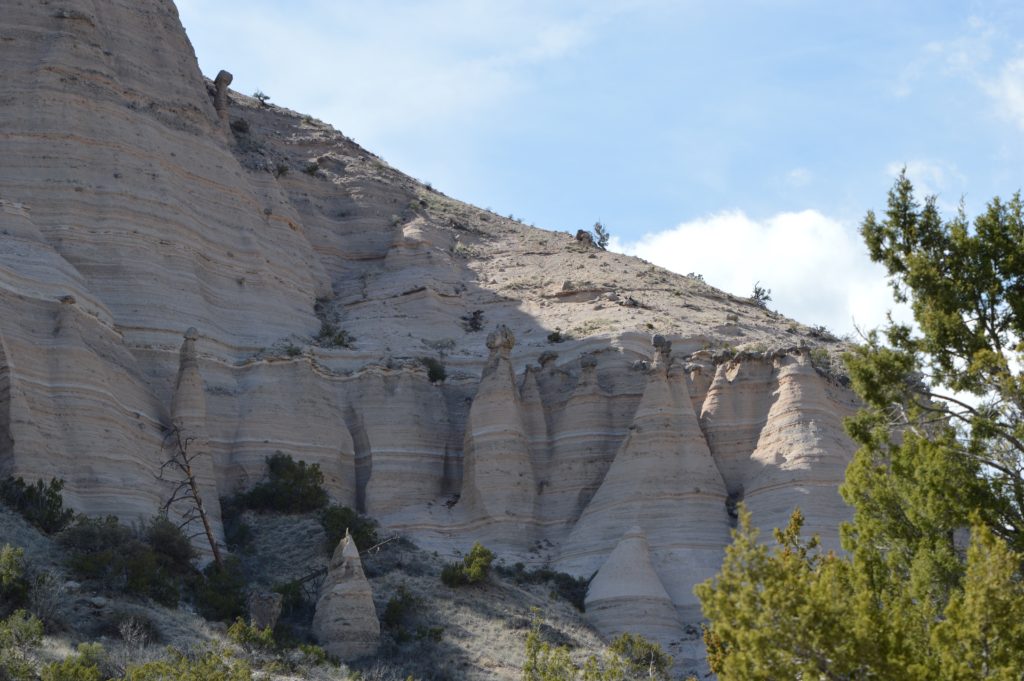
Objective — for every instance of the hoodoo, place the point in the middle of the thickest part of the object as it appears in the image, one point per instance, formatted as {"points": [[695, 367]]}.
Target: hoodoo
{"points": [[336, 310], [346, 622]]}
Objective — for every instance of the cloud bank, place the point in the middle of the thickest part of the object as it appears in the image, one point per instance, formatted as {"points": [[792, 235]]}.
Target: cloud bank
{"points": [[817, 268]]}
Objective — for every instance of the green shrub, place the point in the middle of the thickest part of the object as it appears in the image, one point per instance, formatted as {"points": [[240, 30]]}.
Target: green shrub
{"points": [[20, 635], [315, 655], [174, 552], [250, 638], [642, 658], [399, 607], [474, 567], [572, 589], [155, 562], [85, 665], [292, 487], [336, 519], [332, 336], [435, 369], [631, 657], [40, 504], [478, 563], [214, 664], [13, 585], [220, 595], [453, 575], [312, 168], [238, 535]]}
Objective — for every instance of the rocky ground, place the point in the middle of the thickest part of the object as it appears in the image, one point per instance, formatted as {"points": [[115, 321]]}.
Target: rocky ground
{"points": [[469, 632]]}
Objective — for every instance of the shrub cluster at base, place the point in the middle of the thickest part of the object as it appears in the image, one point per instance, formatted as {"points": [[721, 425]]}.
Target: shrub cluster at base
{"points": [[40, 504], [629, 657], [572, 589], [336, 519], [291, 487], [13, 584], [155, 561], [474, 567]]}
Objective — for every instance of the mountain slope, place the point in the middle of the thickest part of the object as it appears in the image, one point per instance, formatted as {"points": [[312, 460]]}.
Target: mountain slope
{"points": [[458, 375]]}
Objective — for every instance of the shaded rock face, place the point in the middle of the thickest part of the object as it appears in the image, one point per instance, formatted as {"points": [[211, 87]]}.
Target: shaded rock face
{"points": [[129, 213], [264, 608], [345, 621]]}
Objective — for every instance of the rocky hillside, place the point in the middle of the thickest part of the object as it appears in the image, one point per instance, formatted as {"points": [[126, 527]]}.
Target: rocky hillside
{"points": [[457, 375]]}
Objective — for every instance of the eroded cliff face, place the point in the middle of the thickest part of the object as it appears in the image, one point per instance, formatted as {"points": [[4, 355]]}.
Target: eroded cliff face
{"points": [[130, 211]]}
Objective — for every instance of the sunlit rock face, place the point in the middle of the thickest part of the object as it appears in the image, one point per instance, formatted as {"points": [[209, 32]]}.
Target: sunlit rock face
{"points": [[255, 277]]}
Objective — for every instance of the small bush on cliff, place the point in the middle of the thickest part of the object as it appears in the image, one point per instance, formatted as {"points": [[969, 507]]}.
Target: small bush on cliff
{"points": [[473, 569], [435, 369], [336, 519], [292, 487], [761, 295], [40, 504], [332, 336]]}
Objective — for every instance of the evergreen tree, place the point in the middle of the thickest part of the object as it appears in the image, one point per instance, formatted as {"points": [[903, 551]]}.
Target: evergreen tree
{"points": [[940, 451]]}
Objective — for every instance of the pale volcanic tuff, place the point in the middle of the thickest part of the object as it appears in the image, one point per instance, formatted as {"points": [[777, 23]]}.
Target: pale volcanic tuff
{"points": [[132, 211]]}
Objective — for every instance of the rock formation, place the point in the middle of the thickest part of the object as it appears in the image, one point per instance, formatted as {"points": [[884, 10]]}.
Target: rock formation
{"points": [[345, 621], [499, 486], [662, 476], [264, 608], [627, 596], [128, 212], [220, 97]]}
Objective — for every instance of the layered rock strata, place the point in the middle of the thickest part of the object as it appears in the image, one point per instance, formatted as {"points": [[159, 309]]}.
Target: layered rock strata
{"points": [[345, 621], [627, 596], [662, 479], [138, 199]]}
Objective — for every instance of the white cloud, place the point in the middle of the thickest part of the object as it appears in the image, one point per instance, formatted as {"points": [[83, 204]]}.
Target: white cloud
{"points": [[1007, 89], [816, 267]]}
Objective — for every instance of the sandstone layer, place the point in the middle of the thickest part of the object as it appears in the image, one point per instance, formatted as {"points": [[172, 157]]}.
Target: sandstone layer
{"points": [[345, 621], [338, 311]]}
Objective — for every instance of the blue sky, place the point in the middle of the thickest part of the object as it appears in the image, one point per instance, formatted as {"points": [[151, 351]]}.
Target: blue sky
{"points": [[741, 140]]}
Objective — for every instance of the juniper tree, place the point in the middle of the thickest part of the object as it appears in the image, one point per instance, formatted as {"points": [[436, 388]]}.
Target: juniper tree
{"points": [[941, 451]]}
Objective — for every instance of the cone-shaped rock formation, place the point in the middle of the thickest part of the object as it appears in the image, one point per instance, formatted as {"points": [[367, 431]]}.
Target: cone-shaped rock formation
{"points": [[498, 482], [662, 480], [627, 595], [346, 621]]}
